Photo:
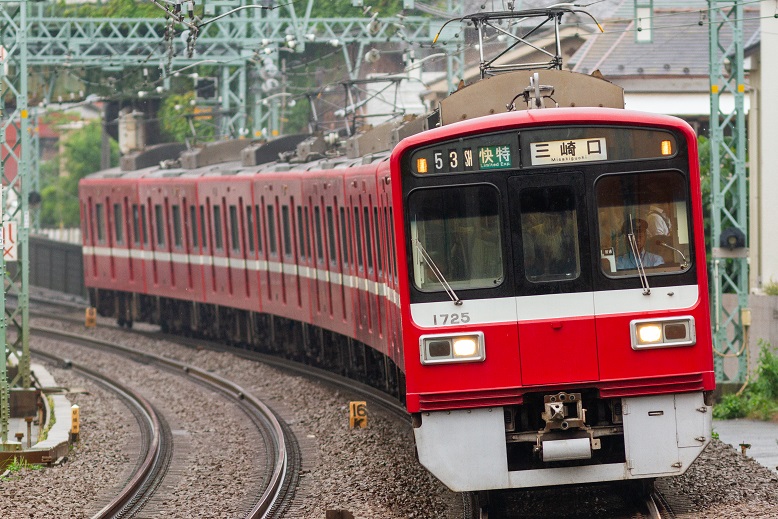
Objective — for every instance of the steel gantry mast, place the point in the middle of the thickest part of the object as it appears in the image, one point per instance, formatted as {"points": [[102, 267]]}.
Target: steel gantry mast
{"points": [[14, 170], [729, 262]]}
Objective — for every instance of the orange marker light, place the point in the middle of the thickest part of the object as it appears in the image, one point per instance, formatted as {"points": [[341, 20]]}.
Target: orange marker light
{"points": [[667, 148], [421, 165]]}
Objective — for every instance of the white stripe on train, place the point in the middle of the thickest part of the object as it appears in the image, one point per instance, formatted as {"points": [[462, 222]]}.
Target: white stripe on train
{"points": [[474, 311]]}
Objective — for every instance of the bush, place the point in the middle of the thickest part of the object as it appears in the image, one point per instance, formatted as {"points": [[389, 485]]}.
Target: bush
{"points": [[759, 400], [770, 288]]}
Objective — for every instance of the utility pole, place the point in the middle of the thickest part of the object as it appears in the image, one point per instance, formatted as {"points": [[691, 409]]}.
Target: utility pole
{"points": [[729, 261]]}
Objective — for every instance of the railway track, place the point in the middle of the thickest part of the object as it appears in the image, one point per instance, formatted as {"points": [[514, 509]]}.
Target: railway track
{"points": [[278, 486], [156, 442]]}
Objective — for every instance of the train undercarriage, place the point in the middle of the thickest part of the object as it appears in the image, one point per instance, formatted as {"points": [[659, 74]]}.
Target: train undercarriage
{"points": [[264, 333]]}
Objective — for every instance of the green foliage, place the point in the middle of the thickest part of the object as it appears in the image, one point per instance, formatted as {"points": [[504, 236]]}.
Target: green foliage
{"points": [[19, 464], [759, 400], [297, 117], [344, 8], [114, 9], [176, 112], [770, 288], [81, 156]]}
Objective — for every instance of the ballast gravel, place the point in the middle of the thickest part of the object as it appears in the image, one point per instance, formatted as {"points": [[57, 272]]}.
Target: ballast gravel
{"points": [[371, 473]]}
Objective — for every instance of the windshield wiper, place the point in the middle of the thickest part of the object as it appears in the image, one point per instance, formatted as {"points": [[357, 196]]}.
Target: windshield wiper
{"points": [[436, 271], [638, 260]]}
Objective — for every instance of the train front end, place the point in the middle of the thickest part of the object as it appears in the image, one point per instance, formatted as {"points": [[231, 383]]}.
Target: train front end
{"points": [[555, 308]]}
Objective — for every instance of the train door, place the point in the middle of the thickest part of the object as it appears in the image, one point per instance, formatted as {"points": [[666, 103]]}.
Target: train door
{"points": [[241, 281], [388, 299], [553, 277], [295, 304]]}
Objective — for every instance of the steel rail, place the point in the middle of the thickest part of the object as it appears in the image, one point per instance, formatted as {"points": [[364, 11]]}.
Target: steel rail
{"points": [[146, 470], [273, 490]]}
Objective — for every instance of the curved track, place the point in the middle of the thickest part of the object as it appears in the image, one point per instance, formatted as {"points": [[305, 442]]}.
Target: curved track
{"points": [[278, 486]]}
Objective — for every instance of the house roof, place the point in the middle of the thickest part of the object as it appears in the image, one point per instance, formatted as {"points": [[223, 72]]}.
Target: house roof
{"points": [[679, 45]]}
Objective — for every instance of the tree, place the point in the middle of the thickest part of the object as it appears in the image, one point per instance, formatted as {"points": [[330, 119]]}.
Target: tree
{"points": [[175, 115], [81, 156]]}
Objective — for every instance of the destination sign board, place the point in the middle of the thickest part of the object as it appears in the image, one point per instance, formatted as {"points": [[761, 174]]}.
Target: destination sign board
{"points": [[571, 150]]}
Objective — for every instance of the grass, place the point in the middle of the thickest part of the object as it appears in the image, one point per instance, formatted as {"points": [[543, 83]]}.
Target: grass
{"points": [[759, 400], [20, 464], [770, 288]]}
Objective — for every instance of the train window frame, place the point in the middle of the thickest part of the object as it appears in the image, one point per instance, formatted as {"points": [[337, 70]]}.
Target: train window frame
{"points": [[306, 212], [378, 248], [394, 244], [301, 233], [259, 228], [272, 244], [677, 258], [193, 224], [203, 227], [286, 231], [358, 237], [343, 237], [100, 222], [368, 237], [144, 225], [454, 234], [218, 232], [318, 238], [545, 223], [135, 224], [178, 239], [117, 224], [331, 236], [159, 225], [251, 229], [234, 229]]}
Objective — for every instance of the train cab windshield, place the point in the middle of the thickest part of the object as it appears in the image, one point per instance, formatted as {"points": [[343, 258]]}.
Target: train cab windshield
{"points": [[642, 223], [457, 238]]}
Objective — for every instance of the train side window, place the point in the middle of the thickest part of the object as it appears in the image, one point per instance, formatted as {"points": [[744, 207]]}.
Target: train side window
{"points": [[218, 237], [193, 223], [647, 214], [549, 230], [117, 224], [144, 225], [287, 230], [250, 227], [458, 230], [100, 220], [234, 229], [258, 214], [203, 227], [368, 241], [300, 231], [135, 225], [317, 229], [394, 249], [178, 238], [358, 234], [307, 234], [377, 227], [159, 221], [343, 237], [271, 230], [331, 235]]}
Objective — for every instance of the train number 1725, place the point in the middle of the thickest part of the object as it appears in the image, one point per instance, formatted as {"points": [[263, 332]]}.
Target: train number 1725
{"points": [[444, 319]]}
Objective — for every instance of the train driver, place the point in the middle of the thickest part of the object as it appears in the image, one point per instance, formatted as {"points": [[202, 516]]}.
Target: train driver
{"points": [[627, 261]]}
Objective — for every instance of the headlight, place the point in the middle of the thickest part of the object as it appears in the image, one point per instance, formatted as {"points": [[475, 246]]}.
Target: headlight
{"points": [[663, 333], [438, 349]]}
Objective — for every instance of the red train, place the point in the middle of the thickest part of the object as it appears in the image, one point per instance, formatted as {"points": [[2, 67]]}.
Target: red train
{"points": [[532, 283]]}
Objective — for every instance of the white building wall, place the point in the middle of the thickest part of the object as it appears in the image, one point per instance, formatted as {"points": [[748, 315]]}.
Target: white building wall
{"points": [[767, 173]]}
